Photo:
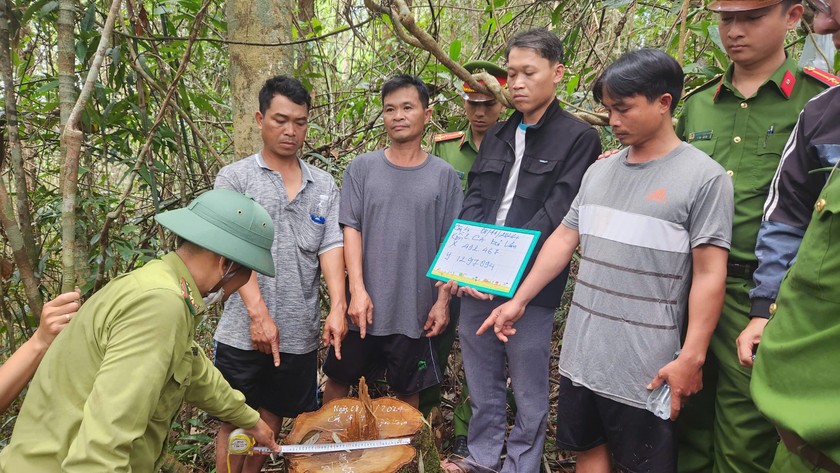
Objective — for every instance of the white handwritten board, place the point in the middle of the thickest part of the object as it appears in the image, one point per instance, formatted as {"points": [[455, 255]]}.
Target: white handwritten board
{"points": [[487, 257]]}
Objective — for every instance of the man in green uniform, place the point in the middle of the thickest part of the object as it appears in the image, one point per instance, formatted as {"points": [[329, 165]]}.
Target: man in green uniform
{"points": [[459, 149], [110, 386], [795, 382], [743, 122]]}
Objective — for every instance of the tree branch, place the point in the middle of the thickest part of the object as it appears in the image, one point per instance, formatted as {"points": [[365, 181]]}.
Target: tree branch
{"points": [[142, 72], [242, 43], [72, 138], [402, 18], [683, 31], [18, 225], [147, 146]]}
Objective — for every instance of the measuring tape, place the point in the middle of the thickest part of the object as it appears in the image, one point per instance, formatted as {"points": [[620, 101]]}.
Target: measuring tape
{"points": [[241, 443]]}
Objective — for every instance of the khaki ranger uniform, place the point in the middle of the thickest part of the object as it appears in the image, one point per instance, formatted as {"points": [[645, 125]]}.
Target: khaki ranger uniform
{"points": [[116, 406], [109, 387], [746, 135], [458, 149]]}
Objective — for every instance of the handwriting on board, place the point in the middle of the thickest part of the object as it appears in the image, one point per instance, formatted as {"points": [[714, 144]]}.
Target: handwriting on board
{"points": [[489, 258]]}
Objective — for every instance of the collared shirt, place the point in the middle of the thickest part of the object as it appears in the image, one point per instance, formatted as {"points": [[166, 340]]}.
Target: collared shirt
{"points": [[746, 136], [459, 152], [109, 387], [304, 229], [813, 150], [795, 378]]}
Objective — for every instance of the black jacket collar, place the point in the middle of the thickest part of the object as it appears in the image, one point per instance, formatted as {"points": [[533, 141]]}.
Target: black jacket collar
{"points": [[508, 130]]}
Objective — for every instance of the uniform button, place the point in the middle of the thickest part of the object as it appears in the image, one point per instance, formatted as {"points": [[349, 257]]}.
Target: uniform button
{"points": [[744, 105], [737, 139], [820, 205], [772, 308]]}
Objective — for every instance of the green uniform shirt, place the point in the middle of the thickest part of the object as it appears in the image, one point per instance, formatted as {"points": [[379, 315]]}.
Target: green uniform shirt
{"points": [[796, 381], [747, 136], [109, 387], [457, 149]]}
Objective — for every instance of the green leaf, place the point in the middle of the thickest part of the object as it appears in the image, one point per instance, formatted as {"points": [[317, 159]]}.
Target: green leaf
{"points": [[36, 6], [88, 23], [81, 51], [47, 87], [455, 50], [47, 8], [572, 84]]}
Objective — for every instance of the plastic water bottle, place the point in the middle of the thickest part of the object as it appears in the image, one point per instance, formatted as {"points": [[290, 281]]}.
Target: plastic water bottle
{"points": [[659, 401]]}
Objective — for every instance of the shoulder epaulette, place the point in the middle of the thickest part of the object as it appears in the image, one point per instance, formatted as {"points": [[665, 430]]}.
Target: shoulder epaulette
{"points": [[822, 76], [716, 80], [454, 135]]}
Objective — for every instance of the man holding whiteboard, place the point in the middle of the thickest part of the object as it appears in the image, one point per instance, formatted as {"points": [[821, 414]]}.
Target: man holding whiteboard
{"points": [[526, 175]]}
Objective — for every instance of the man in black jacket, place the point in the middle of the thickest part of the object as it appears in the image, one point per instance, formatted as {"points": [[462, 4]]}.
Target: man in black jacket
{"points": [[526, 175]]}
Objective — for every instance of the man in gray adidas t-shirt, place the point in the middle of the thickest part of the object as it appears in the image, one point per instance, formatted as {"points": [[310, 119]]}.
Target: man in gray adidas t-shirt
{"points": [[654, 225]]}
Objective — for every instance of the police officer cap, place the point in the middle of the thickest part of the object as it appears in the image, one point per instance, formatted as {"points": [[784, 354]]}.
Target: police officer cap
{"points": [[229, 224], [740, 5], [483, 66]]}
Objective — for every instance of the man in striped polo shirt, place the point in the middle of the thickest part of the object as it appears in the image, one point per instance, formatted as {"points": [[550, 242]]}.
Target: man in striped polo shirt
{"points": [[654, 225]]}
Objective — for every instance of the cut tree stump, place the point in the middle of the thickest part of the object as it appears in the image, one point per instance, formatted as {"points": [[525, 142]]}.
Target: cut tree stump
{"points": [[352, 420]]}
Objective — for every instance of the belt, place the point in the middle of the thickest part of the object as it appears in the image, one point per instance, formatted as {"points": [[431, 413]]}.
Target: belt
{"points": [[741, 270], [798, 446]]}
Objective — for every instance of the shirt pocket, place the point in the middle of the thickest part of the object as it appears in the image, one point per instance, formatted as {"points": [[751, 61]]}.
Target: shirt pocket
{"points": [[768, 154], [174, 391], [706, 146], [536, 179], [310, 232], [489, 177]]}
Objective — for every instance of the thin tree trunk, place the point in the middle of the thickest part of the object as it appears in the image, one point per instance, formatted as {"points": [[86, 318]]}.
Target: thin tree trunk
{"points": [[683, 31], [261, 21], [18, 225], [72, 139]]}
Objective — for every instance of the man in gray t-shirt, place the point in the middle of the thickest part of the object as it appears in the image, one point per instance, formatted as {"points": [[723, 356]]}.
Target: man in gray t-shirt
{"points": [[396, 206], [654, 226]]}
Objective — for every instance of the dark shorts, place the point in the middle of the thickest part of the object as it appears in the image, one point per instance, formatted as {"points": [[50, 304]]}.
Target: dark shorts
{"points": [[410, 364], [285, 391], [637, 439]]}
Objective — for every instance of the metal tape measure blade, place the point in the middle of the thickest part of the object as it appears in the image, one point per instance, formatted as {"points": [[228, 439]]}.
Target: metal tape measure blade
{"points": [[340, 447]]}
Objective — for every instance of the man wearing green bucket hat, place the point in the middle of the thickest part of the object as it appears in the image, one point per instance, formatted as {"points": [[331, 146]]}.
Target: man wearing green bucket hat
{"points": [[113, 381]]}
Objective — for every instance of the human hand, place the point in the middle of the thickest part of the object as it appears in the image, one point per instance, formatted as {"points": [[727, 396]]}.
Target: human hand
{"points": [[263, 435], [607, 154], [264, 334], [56, 315], [361, 310], [475, 294], [335, 328], [685, 379], [451, 287], [438, 319], [502, 319], [747, 342]]}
